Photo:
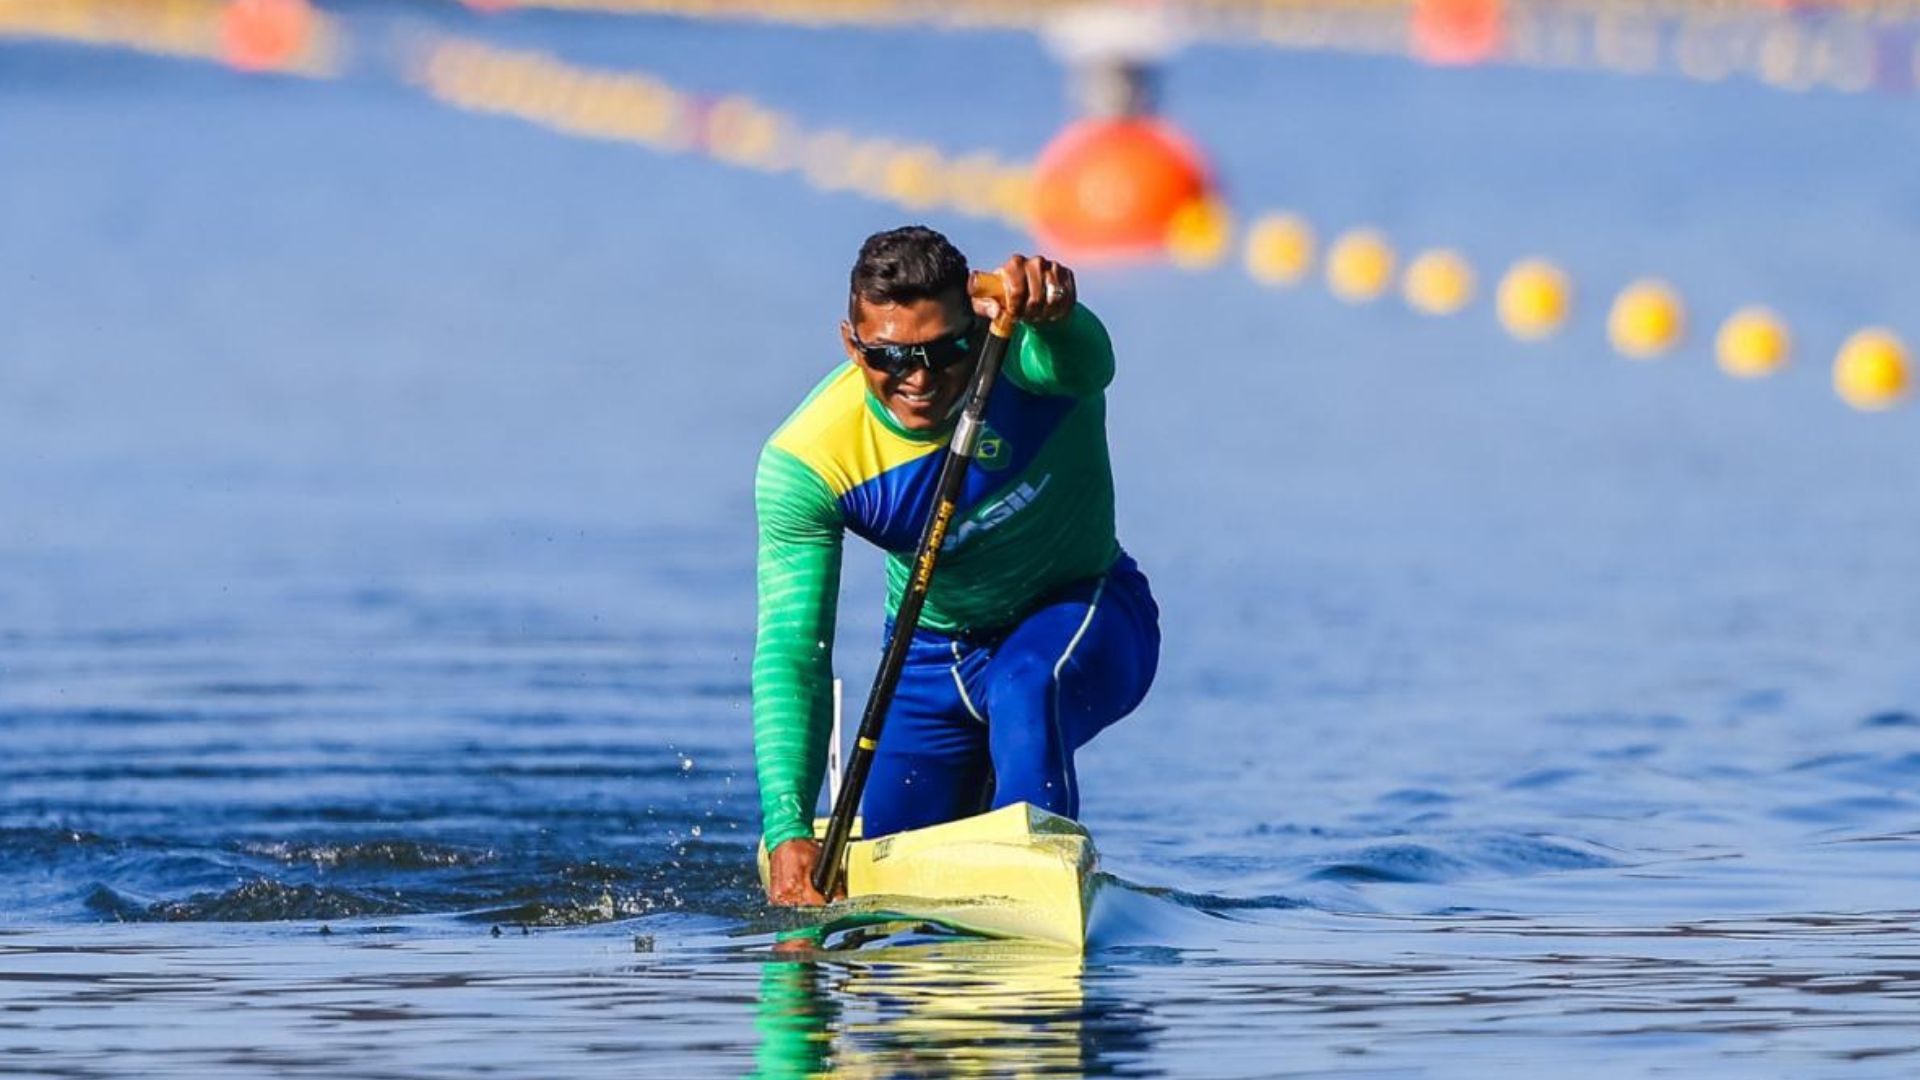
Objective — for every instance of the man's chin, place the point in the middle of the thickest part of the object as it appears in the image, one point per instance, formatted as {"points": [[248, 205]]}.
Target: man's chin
{"points": [[918, 416], [915, 421]]}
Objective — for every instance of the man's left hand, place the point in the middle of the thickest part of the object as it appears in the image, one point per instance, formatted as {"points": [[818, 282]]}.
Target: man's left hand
{"points": [[1039, 290]]}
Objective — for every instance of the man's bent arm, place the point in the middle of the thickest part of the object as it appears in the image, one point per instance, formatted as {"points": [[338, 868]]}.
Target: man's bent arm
{"points": [[799, 584], [1070, 357]]}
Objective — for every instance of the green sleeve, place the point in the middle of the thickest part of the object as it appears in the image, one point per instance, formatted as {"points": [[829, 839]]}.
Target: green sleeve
{"points": [[799, 581], [1072, 357]]}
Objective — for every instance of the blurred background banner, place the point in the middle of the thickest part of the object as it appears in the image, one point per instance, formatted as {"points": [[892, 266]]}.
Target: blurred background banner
{"points": [[1513, 414]]}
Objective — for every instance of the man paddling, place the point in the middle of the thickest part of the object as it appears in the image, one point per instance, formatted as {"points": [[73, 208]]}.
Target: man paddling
{"points": [[1038, 631]]}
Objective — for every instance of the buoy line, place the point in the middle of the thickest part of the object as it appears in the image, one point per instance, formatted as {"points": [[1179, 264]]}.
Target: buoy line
{"points": [[1532, 300]]}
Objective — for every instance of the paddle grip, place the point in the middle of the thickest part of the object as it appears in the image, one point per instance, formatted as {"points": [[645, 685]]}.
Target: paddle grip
{"points": [[989, 285]]}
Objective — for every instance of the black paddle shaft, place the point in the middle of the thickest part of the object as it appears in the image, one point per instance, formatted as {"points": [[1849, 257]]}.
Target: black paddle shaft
{"points": [[953, 473]]}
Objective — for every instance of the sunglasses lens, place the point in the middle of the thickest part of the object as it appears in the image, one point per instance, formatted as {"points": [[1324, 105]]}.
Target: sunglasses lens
{"points": [[949, 352], [894, 359], [937, 355]]}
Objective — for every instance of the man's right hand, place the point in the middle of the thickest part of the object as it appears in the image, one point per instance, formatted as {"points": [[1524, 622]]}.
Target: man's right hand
{"points": [[790, 873]]}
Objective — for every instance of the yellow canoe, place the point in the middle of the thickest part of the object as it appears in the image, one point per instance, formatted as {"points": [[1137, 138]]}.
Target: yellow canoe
{"points": [[1016, 872]]}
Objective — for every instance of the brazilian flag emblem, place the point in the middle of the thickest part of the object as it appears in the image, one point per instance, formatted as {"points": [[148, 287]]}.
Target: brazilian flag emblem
{"points": [[991, 454]]}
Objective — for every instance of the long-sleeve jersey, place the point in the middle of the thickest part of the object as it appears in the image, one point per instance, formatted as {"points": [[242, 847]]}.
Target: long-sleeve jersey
{"points": [[1035, 513]]}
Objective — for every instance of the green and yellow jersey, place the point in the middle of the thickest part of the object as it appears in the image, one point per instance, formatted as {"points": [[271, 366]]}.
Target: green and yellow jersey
{"points": [[1035, 513]]}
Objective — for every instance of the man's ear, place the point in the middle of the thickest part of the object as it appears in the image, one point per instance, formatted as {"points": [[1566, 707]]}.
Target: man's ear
{"points": [[846, 342]]}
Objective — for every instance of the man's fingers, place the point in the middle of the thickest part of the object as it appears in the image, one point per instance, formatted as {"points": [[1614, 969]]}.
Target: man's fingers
{"points": [[797, 891], [800, 897], [1038, 289], [1052, 294], [803, 892], [1037, 295], [790, 874], [1014, 274], [1069, 293]]}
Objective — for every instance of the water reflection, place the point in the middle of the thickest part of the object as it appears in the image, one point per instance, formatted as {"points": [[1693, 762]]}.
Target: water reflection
{"points": [[953, 1007], [796, 1021]]}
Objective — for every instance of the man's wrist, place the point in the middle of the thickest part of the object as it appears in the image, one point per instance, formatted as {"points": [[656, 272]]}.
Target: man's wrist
{"points": [[777, 834]]}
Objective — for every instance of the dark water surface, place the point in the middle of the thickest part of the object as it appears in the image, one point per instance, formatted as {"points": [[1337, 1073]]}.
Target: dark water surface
{"points": [[376, 574]]}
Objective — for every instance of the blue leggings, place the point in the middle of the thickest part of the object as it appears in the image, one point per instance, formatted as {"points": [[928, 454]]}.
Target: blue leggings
{"points": [[992, 721]]}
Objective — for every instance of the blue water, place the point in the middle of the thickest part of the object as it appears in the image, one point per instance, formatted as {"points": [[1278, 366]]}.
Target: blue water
{"points": [[376, 585]]}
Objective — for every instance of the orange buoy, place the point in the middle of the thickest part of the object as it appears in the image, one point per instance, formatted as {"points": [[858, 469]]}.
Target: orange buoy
{"points": [[264, 35], [1457, 32], [1110, 187]]}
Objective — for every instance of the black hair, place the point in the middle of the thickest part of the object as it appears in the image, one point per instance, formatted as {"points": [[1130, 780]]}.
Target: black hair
{"points": [[902, 265]]}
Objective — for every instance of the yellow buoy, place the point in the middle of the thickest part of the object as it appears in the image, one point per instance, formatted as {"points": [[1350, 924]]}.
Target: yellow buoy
{"points": [[1199, 234], [1752, 342], [1280, 250], [1646, 320], [1439, 282], [914, 177], [1534, 299], [970, 183], [1013, 195], [1360, 266], [867, 165], [1871, 370]]}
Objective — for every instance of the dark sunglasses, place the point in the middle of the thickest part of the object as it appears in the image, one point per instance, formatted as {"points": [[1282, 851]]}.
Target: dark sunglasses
{"points": [[938, 355]]}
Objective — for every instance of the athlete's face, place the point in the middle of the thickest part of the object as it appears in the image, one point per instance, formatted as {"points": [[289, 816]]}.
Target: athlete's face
{"points": [[919, 399]]}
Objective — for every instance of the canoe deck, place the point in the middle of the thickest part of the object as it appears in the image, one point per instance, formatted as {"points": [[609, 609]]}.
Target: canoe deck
{"points": [[1016, 872]]}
